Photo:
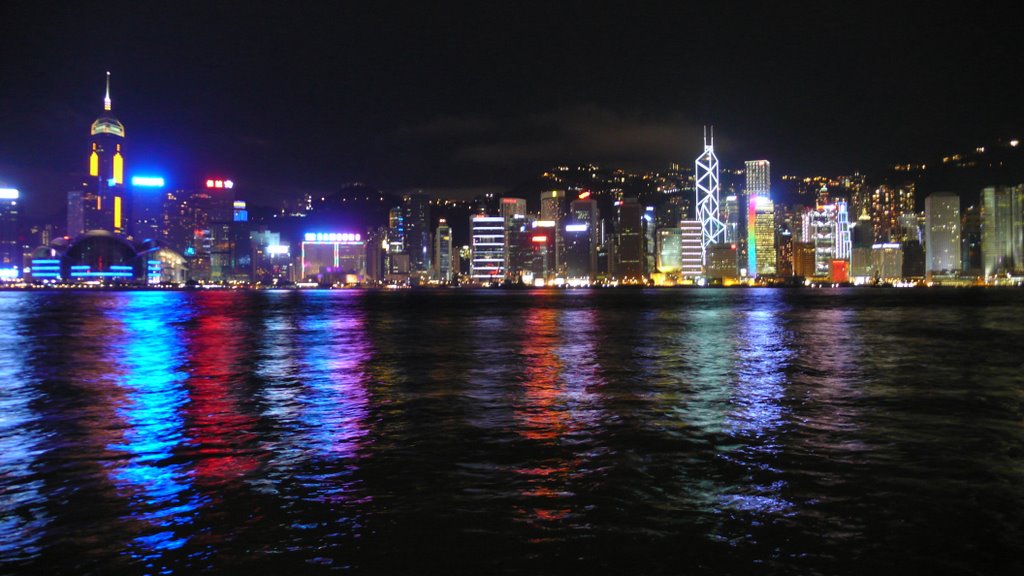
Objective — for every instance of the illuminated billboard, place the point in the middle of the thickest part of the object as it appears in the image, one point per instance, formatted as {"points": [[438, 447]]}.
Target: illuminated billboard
{"points": [[217, 183], [148, 181], [332, 237]]}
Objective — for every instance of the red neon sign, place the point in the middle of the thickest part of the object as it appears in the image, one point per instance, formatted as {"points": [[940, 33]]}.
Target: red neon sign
{"points": [[211, 183]]}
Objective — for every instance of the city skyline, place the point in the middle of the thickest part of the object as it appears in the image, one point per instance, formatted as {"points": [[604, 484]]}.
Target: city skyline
{"points": [[336, 95]]}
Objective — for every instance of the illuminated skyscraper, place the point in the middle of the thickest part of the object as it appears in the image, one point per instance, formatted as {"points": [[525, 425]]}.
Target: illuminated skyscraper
{"points": [[552, 209], [1002, 229], [649, 240], [862, 237], [75, 215], [583, 217], [488, 256], [146, 207], [540, 252], [760, 219], [396, 243], [706, 173], [10, 250], [519, 253], [723, 262], [888, 204], [942, 232], [731, 215], [970, 241], [416, 212], [629, 266], [690, 249], [443, 252], [106, 167], [887, 261], [670, 249], [552, 206], [759, 180], [513, 211], [841, 228], [828, 228], [206, 219], [761, 244]]}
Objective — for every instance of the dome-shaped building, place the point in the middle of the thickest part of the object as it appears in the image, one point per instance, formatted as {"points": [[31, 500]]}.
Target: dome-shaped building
{"points": [[102, 255], [99, 256]]}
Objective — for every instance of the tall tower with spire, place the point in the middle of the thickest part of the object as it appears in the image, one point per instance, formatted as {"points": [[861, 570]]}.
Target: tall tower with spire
{"points": [[711, 228], [106, 168]]}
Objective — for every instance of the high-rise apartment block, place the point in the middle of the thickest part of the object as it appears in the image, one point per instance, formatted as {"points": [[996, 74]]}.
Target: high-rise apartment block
{"points": [[888, 204], [942, 232], [1002, 229]]}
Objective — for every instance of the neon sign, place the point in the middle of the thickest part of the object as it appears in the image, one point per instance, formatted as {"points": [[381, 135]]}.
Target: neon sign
{"points": [[220, 184], [332, 237], [148, 181]]}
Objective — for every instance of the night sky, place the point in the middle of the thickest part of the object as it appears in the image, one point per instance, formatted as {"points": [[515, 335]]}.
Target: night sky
{"points": [[458, 101]]}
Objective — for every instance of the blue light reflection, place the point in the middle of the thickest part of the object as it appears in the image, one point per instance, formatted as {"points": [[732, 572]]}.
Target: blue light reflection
{"points": [[23, 515], [151, 354]]}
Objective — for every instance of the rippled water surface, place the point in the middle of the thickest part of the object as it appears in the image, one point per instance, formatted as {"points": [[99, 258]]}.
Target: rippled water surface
{"points": [[638, 432]]}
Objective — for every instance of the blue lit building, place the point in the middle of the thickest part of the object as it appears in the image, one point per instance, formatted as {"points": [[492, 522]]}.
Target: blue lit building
{"points": [[10, 249], [103, 257]]}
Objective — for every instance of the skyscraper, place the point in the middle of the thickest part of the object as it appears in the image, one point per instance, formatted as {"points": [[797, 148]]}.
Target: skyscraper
{"points": [[629, 266], [829, 229], [583, 217], [758, 175], [888, 204], [670, 249], [488, 256], [552, 206], [106, 167], [690, 249], [706, 174], [416, 214], [762, 250], [942, 232], [396, 242], [731, 215], [1002, 229], [862, 238], [970, 241], [76, 212], [649, 240], [760, 219], [513, 211], [10, 250], [552, 209], [443, 252]]}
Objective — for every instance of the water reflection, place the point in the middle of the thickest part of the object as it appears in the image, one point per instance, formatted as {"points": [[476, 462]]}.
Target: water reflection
{"points": [[717, 431], [557, 407], [315, 366], [219, 427], [23, 516], [762, 358], [335, 403], [150, 352]]}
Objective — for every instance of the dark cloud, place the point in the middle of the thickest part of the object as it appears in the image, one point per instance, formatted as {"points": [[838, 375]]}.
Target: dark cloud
{"points": [[586, 132], [452, 126]]}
